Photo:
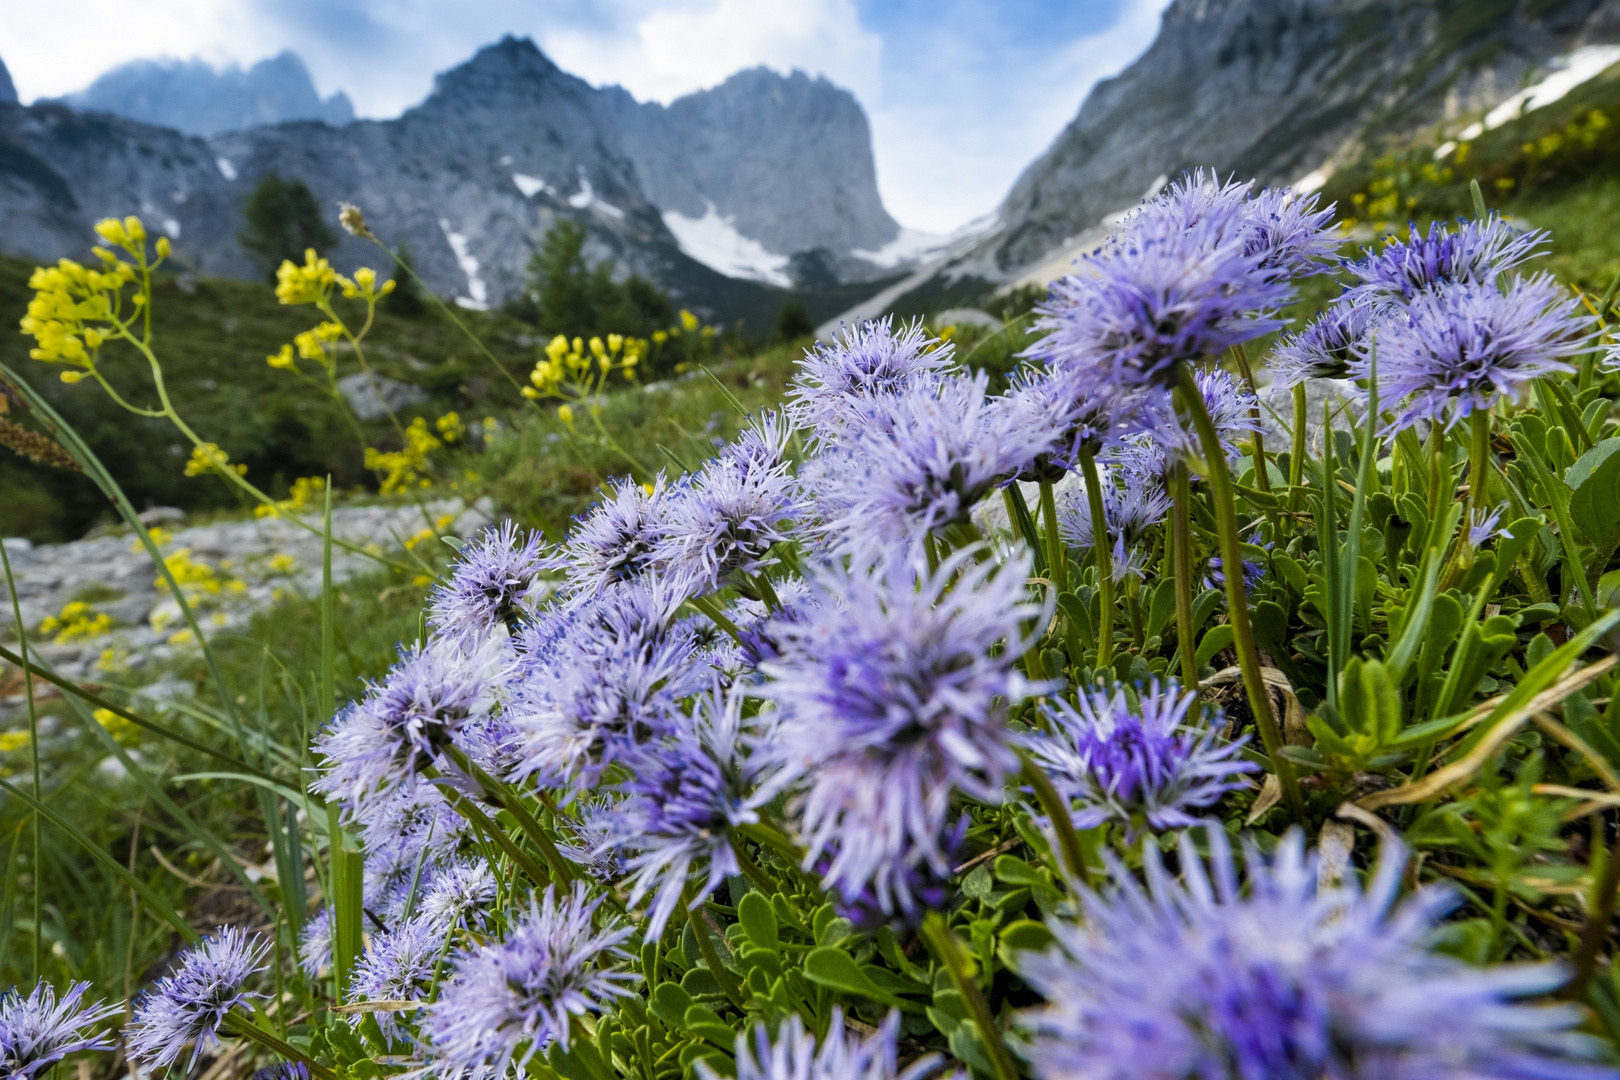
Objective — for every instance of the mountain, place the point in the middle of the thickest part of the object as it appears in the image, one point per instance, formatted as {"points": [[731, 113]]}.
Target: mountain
{"points": [[471, 179], [8, 91], [193, 97], [1280, 90], [721, 165]]}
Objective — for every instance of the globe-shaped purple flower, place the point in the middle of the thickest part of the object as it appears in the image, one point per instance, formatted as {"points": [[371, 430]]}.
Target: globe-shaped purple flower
{"points": [[614, 541], [1325, 349], [1475, 254], [1129, 511], [835, 384], [682, 802], [509, 1000], [889, 692], [39, 1030], [398, 966], [495, 582], [1463, 347], [1135, 757], [1284, 979], [843, 1055], [188, 1007]]}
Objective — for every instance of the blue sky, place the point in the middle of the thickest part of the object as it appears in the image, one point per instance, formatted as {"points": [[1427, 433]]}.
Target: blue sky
{"points": [[962, 94]]}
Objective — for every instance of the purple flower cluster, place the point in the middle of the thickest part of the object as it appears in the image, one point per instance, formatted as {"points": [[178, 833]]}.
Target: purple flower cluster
{"points": [[39, 1030], [496, 581], [1286, 979], [1475, 254], [837, 386], [889, 692], [508, 1000], [1135, 757], [1130, 510], [795, 1055], [188, 1007], [398, 966], [1328, 348]]}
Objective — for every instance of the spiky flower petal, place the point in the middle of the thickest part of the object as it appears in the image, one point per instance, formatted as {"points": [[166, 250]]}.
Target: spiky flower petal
{"points": [[836, 383], [843, 1055], [495, 581], [39, 1030], [188, 1006]]}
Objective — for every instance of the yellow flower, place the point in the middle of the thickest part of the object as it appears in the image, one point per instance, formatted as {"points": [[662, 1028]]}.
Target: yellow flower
{"points": [[689, 321], [598, 350], [566, 415], [282, 563], [421, 580], [118, 727], [282, 359], [557, 349], [660, 336], [163, 247], [418, 538], [208, 458], [77, 621], [450, 427], [307, 284], [12, 741]]}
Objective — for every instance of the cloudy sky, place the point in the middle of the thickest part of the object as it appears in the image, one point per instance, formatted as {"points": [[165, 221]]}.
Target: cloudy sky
{"points": [[962, 94]]}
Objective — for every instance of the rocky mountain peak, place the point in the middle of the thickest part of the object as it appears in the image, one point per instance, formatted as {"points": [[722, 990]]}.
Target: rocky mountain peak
{"points": [[8, 90], [512, 70]]}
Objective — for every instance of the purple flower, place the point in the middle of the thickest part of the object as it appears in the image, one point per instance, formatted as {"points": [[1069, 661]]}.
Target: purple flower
{"points": [[890, 693], [1476, 254], [398, 966], [592, 847], [842, 1055], [407, 831], [1323, 350], [1287, 979], [39, 1030], [283, 1070], [1230, 403], [315, 944], [1482, 525], [682, 802], [614, 541], [1128, 512], [189, 1005], [601, 679], [457, 894], [1215, 577], [729, 518], [510, 999], [1461, 347], [836, 383], [1282, 231], [495, 582], [1134, 757], [403, 723], [1183, 282], [1066, 403], [941, 448]]}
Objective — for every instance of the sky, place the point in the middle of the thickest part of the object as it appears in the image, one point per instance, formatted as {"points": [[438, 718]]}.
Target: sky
{"points": [[961, 94]]}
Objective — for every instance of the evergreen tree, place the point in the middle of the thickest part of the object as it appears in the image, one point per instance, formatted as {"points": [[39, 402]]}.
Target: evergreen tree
{"points": [[283, 219], [566, 295], [793, 321]]}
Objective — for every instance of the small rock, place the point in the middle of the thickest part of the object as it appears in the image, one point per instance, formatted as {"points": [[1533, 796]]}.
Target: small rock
{"points": [[373, 396], [161, 515], [16, 545]]}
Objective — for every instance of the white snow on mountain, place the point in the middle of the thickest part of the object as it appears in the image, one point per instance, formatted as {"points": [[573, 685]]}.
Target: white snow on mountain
{"points": [[715, 242]]}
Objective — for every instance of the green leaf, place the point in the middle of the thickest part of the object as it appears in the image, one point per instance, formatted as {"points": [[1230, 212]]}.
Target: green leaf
{"points": [[1023, 936], [705, 1023], [1015, 871], [669, 1003], [1594, 482], [758, 920], [1218, 638], [837, 971], [1161, 609]]}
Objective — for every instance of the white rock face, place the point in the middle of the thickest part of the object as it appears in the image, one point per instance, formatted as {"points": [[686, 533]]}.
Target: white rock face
{"points": [[252, 562]]}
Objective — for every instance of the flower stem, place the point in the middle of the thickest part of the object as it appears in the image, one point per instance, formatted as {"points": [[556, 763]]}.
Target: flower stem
{"points": [[722, 975], [1296, 460], [1057, 559], [1057, 809], [1181, 559], [1104, 558], [708, 607], [949, 950], [503, 796], [1598, 923], [237, 1024], [1262, 475], [1479, 463], [1237, 600]]}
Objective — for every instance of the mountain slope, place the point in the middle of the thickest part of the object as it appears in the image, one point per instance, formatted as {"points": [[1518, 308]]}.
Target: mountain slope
{"points": [[471, 180], [8, 91], [193, 97]]}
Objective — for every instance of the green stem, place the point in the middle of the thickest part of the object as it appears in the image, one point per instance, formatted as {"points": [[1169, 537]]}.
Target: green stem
{"points": [[33, 739], [768, 836], [755, 872], [1181, 559], [722, 974], [238, 1024], [1598, 923], [1057, 558], [1101, 552], [507, 799], [708, 607], [1296, 461], [484, 824], [950, 953], [1057, 809], [1262, 475], [1479, 463], [1237, 600]]}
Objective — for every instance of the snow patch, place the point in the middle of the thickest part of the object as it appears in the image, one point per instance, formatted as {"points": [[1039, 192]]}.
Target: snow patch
{"points": [[582, 198], [1311, 181], [715, 242], [477, 298], [911, 245], [225, 167], [1569, 71], [172, 228], [530, 185]]}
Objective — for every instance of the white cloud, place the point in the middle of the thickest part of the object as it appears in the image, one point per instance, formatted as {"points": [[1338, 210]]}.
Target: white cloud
{"points": [[673, 51]]}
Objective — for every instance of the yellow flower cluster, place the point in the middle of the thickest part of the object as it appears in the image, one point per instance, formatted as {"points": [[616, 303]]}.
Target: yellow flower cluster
{"points": [[12, 741], [207, 458], [312, 283], [304, 492], [574, 363], [451, 429], [119, 728], [77, 621], [197, 579], [403, 469]]}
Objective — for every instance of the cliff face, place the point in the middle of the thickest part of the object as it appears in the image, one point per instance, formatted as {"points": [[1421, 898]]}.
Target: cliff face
{"points": [[1275, 89], [8, 91], [471, 179], [193, 97]]}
